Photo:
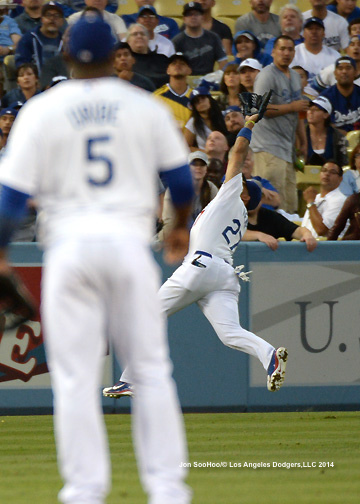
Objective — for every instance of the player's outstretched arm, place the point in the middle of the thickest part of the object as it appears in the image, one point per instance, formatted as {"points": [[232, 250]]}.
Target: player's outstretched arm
{"points": [[240, 149]]}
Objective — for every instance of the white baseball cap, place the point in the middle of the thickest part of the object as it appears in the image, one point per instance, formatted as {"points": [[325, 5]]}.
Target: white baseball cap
{"points": [[252, 63], [322, 103], [198, 155]]}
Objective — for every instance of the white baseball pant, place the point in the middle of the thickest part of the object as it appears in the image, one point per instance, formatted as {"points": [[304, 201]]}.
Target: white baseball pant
{"points": [[94, 289], [215, 288]]}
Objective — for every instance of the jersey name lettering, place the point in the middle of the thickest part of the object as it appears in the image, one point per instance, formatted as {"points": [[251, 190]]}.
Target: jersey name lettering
{"points": [[94, 113]]}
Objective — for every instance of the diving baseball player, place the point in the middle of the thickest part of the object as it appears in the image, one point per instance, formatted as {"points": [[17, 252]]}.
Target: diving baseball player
{"points": [[89, 150], [207, 276]]}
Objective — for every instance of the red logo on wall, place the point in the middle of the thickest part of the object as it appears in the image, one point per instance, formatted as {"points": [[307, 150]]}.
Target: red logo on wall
{"points": [[22, 353]]}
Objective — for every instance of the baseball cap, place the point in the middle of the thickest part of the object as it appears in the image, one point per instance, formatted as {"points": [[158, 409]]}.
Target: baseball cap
{"points": [[200, 91], [345, 59], [198, 155], [251, 63], [147, 8], [8, 111], [16, 105], [181, 56], [192, 6], [314, 20], [57, 79], [90, 39], [52, 6], [246, 34], [254, 193], [232, 108], [322, 103]]}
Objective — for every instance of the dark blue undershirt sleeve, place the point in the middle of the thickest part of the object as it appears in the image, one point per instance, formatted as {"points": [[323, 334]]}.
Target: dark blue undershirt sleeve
{"points": [[180, 184], [12, 211]]}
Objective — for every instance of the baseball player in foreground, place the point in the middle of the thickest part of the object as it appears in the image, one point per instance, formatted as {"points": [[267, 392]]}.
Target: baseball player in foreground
{"points": [[207, 276], [89, 150]]}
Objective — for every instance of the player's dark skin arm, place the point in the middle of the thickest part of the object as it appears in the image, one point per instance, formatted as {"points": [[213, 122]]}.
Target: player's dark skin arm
{"points": [[176, 243]]}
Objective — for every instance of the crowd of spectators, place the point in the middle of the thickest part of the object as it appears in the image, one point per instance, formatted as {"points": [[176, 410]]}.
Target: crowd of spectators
{"points": [[198, 65]]}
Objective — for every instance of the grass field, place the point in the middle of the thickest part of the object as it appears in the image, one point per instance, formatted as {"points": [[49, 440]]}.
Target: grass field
{"points": [[28, 471]]}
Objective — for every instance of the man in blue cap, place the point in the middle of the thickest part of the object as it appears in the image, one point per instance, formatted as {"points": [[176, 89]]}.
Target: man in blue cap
{"points": [[90, 151]]}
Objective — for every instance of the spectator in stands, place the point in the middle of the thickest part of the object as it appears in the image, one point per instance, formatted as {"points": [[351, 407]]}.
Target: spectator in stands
{"points": [[148, 63], [215, 172], [291, 24], [28, 85], [246, 45], [345, 8], [313, 55], [336, 31], [202, 47], [351, 179], [205, 117], [229, 87], [249, 70], [270, 197], [167, 27], [10, 35], [45, 41], [326, 77], [324, 207], [30, 18], [217, 147], [212, 24], [260, 21], [7, 118], [349, 212], [344, 96], [354, 27], [123, 65], [234, 121], [204, 190], [324, 142], [117, 24], [267, 226], [176, 93], [273, 139], [149, 18]]}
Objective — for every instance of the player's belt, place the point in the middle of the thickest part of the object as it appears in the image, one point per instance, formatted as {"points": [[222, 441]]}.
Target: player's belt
{"points": [[201, 252]]}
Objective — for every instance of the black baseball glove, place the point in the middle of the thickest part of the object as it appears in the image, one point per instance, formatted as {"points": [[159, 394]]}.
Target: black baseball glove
{"points": [[16, 303], [253, 103]]}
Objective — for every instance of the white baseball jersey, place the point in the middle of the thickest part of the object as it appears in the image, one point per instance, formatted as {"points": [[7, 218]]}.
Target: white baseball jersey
{"points": [[220, 227], [314, 63], [94, 168], [326, 77], [336, 30]]}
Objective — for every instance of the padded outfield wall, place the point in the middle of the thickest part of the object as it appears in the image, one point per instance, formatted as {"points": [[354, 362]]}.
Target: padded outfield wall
{"points": [[309, 302]]}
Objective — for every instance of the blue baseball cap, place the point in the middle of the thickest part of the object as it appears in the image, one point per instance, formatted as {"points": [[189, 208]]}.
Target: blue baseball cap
{"points": [[147, 8], [314, 20], [200, 91], [231, 108], [345, 59], [8, 111], [254, 193], [90, 39]]}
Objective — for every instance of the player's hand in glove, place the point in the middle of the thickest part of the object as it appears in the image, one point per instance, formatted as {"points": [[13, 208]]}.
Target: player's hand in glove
{"points": [[253, 103], [16, 303]]}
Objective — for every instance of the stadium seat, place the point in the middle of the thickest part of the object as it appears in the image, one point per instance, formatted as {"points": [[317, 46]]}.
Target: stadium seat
{"points": [[303, 5], [353, 137], [170, 8], [179, 21], [230, 22], [231, 8], [126, 7]]}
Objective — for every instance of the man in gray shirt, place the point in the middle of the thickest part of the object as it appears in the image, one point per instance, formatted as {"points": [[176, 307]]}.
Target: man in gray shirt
{"points": [[260, 21], [273, 140]]}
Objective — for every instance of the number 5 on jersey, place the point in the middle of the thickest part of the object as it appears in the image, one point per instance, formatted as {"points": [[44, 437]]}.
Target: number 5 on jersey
{"points": [[98, 160]]}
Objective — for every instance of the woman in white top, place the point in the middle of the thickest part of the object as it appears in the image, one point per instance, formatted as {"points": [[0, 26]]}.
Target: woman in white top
{"points": [[206, 117]]}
